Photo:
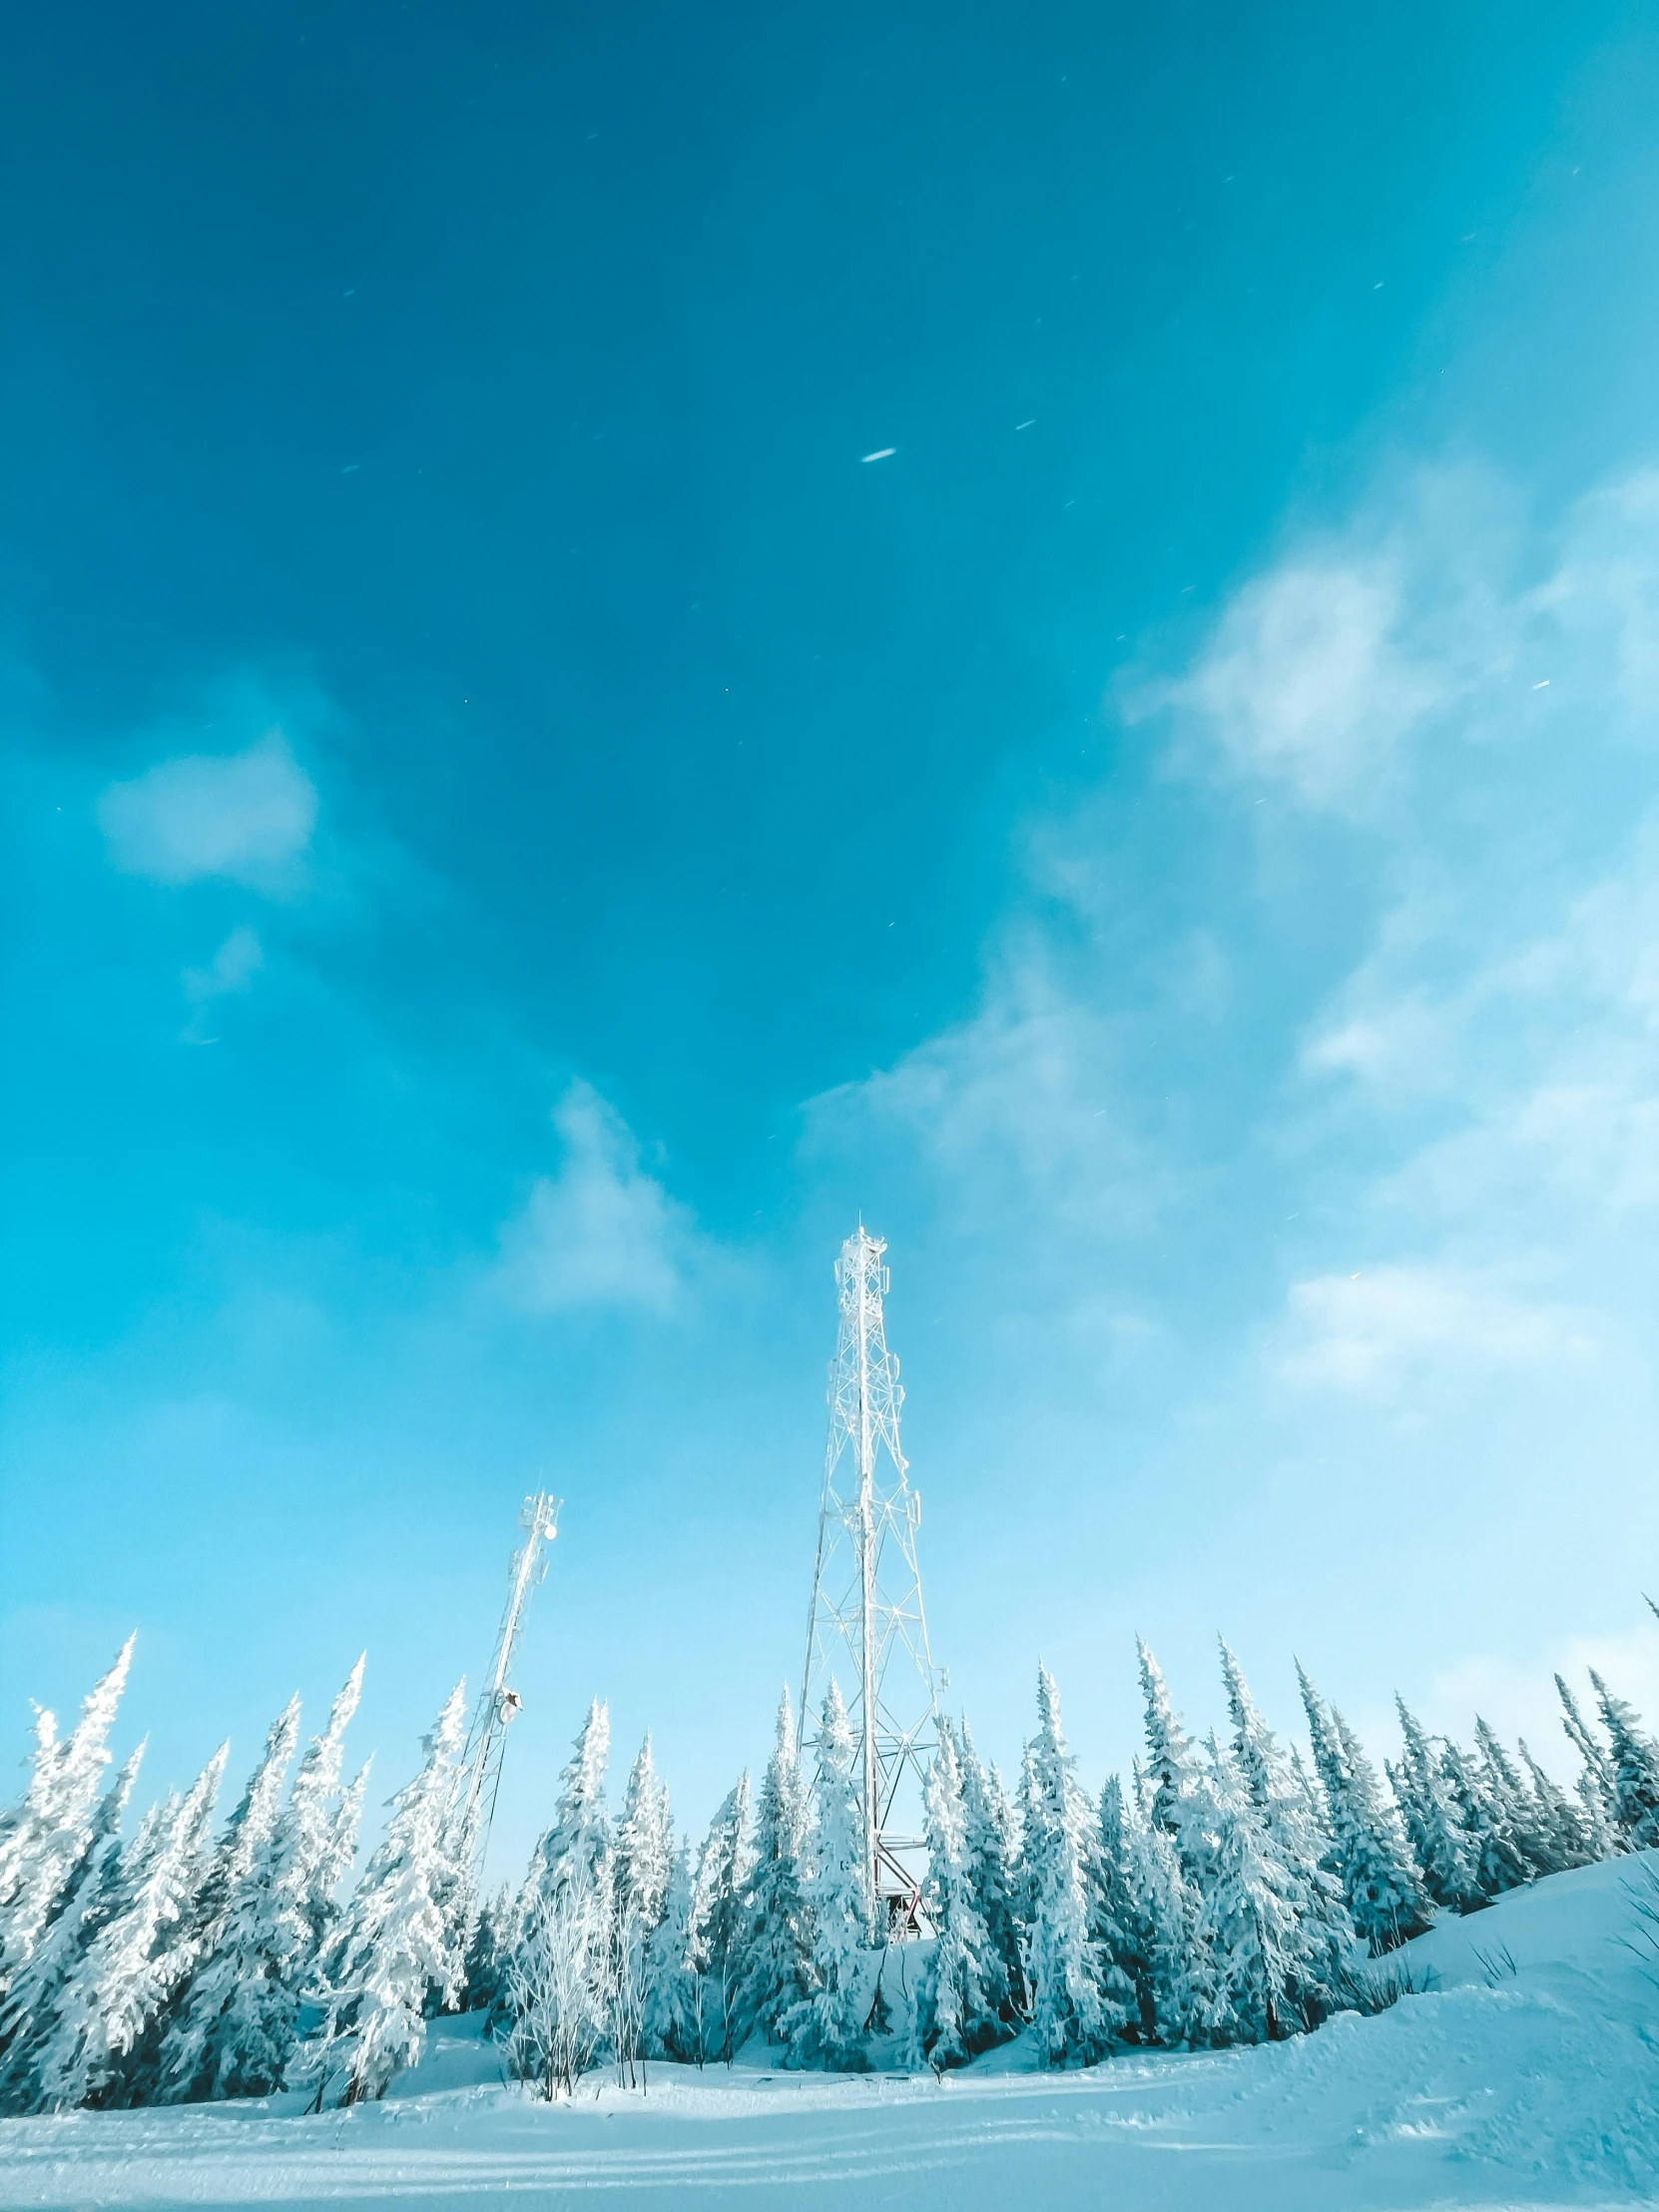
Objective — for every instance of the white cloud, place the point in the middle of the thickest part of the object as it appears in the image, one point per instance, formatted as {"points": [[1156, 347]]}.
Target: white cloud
{"points": [[602, 1231], [1022, 1106], [232, 969], [1368, 1332], [1304, 678], [1324, 672], [246, 816]]}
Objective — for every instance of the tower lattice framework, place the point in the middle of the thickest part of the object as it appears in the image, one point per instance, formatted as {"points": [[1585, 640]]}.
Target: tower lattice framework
{"points": [[867, 1627], [499, 1702]]}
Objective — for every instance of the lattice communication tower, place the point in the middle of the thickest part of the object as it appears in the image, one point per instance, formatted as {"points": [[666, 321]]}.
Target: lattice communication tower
{"points": [[499, 1702], [866, 1626]]}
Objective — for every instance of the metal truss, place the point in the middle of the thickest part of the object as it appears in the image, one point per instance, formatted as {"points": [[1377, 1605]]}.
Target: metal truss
{"points": [[866, 1627], [499, 1702]]}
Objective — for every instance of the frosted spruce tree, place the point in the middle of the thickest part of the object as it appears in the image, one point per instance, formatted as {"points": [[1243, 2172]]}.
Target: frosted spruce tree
{"points": [[399, 1954], [49, 1835], [719, 1923], [580, 1836], [1179, 1797], [29, 2012], [1121, 1926], [216, 2042], [1386, 1899], [128, 1972], [288, 1913], [962, 1984], [557, 1994], [1248, 1921], [1562, 1822], [1026, 1811], [21, 1825], [672, 2009], [829, 2026], [1080, 1998], [644, 1844], [1174, 1984], [644, 1861], [1278, 1792], [1518, 1810], [1498, 1865], [1445, 1853], [777, 1947], [991, 1844], [1595, 1778], [1634, 1763]]}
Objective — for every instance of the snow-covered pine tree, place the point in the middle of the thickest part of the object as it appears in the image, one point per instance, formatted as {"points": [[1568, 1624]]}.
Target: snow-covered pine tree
{"points": [[1028, 1817], [557, 1982], [644, 1858], [1121, 1926], [828, 2027], [962, 1983], [486, 1955], [1386, 1899], [1595, 1778], [992, 1846], [51, 1832], [129, 1970], [1498, 1864], [1171, 1762], [290, 1911], [580, 1837], [29, 2012], [216, 2037], [1525, 1826], [671, 2013], [1561, 1821], [1279, 1790], [20, 1821], [1080, 2003], [1635, 1769], [316, 1835], [1174, 1987], [644, 1844], [398, 1954], [1445, 1853], [778, 1946], [719, 1923], [1247, 1920]]}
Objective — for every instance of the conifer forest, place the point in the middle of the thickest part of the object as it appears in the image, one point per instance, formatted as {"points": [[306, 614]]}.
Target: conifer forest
{"points": [[1224, 1891]]}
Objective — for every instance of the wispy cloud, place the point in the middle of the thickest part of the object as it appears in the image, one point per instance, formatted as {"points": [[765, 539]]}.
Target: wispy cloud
{"points": [[1467, 1130], [1023, 1104], [602, 1231], [232, 969], [1370, 1331], [244, 818], [1324, 672]]}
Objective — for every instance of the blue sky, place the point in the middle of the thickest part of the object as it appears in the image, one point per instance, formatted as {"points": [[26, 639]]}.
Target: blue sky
{"points": [[516, 832]]}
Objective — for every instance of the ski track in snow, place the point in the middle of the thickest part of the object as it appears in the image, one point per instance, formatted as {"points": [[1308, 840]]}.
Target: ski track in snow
{"points": [[1540, 2089]]}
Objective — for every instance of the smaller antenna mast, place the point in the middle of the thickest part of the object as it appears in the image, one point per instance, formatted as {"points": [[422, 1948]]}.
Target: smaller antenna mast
{"points": [[498, 1704]]}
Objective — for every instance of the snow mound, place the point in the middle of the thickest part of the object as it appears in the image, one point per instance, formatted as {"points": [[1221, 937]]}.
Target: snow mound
{"points": [[1525, 2072]]}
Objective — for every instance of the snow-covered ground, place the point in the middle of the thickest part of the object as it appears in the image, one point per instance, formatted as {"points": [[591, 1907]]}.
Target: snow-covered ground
{"points": [[1494, 2089]]}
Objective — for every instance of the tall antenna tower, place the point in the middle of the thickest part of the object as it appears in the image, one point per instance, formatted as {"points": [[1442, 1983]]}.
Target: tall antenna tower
{"points": [[499, 1702], [866, 1626]]}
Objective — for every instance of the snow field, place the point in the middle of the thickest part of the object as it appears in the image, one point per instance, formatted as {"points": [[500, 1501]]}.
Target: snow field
{"points": [[1538, 2088]]}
